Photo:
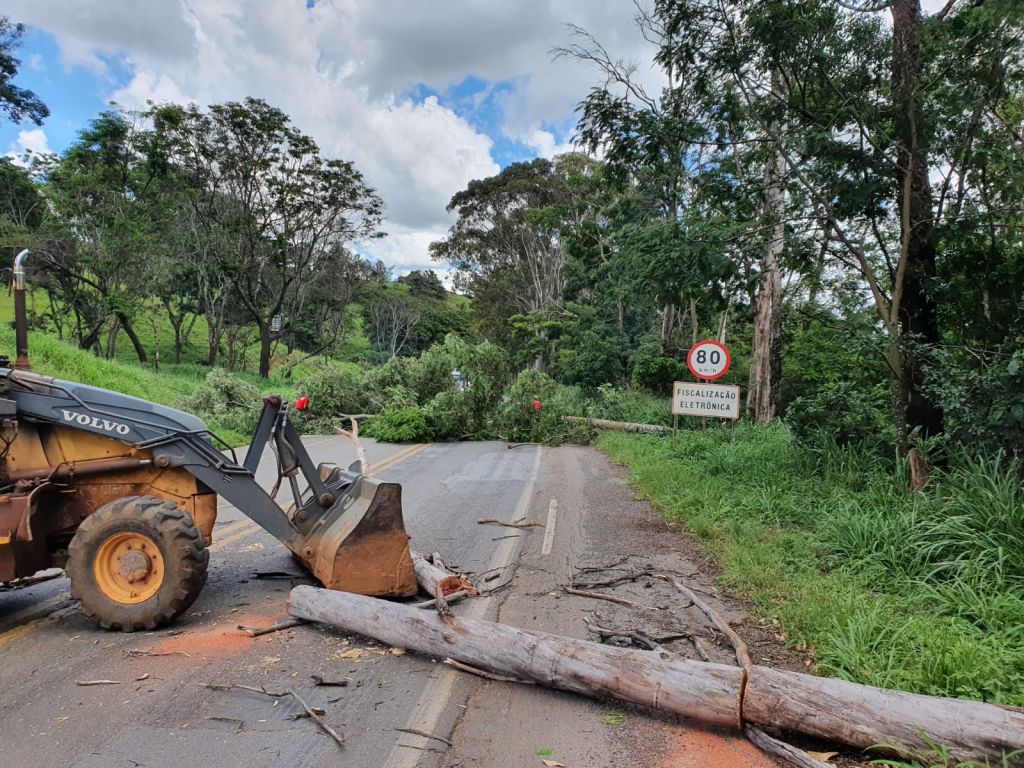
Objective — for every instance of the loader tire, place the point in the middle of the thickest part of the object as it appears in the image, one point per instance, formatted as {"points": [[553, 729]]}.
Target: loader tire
{"points": [[137, 563]]}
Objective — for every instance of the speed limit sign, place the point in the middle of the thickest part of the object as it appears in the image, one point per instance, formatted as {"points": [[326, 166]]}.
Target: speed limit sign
{"points": [[708, 360]]}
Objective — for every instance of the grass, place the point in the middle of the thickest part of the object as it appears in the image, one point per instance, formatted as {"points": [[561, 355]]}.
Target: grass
{"points": [[922, 592], [52, 357]]}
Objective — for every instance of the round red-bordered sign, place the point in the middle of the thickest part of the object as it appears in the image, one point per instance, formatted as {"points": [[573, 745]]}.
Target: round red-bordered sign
{"points": [[708, 360]]}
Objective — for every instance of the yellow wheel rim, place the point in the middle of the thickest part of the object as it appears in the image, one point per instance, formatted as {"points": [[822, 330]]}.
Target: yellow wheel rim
{"points": [[129, 567]]}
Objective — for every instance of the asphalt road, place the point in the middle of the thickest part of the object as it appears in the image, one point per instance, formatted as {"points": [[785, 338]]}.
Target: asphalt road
{"points": [[160, 715], [174, 703]]}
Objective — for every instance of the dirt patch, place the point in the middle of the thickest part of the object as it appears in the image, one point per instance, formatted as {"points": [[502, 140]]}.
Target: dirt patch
{"points": [[711, 749], [221, 640]]}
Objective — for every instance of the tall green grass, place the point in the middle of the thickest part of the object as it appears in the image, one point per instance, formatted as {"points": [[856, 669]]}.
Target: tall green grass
{"points": [[917, 591]]}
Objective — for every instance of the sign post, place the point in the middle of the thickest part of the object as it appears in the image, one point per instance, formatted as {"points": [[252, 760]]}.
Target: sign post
{"points": [[707, 360]]}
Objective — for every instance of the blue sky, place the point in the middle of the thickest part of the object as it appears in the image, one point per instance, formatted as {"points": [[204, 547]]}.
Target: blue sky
{"points": [[423, 97]]}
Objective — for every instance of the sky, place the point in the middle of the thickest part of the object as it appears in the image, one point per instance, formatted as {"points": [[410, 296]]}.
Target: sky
{"points": [[422, 96]]}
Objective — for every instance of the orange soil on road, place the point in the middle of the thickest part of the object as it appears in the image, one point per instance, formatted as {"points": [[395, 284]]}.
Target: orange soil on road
{"points": [[707, 749]]}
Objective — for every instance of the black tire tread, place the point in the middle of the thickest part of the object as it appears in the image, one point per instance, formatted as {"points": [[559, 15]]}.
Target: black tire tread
{"points": [[181, 545]]}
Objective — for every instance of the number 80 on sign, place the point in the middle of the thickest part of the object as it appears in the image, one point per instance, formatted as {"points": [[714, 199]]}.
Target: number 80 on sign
{"points": [[708, 360]]}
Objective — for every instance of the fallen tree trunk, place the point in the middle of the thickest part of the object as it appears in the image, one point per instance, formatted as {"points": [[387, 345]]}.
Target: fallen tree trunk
{"points": [[857, 715], [623, 426], [430, 577]]}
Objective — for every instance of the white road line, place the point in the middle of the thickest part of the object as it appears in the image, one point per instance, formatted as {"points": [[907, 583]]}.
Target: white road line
{"points": [[549, 529], [433, 702]]}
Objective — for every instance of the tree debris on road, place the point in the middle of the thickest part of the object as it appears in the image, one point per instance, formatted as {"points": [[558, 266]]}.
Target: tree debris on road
{"points": [[849, 713]]}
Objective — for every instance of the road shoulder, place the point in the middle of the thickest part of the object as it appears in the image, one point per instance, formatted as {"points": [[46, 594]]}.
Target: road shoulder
{"points": [[596, 522]]}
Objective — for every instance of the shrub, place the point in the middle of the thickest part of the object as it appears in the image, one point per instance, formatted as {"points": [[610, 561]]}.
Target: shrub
{"points": [[520, 420], [449, 416], [656, 374], [843, 414], [228, 400], [333, 391], [398, 425]]}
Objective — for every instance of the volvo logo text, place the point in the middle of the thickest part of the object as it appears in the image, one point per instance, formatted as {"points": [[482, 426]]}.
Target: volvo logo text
{"points": [[92, 421]]}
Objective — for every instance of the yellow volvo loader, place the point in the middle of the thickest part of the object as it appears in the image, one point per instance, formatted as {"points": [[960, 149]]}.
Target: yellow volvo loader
{"points": [[122, 494]]}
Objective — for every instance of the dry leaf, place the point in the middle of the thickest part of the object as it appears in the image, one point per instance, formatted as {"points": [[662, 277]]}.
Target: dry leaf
{"points": [[398, 651], [354, 653], [823, 756], [552, 764]]}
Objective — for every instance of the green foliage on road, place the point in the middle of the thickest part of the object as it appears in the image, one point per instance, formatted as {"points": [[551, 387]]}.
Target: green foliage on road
{"points": [[917, 591]]}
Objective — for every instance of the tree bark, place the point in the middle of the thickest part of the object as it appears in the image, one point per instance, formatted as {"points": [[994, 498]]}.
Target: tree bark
{"points": [[763, 396], [140, 349], [266, 339], [622, 426], [858, 715], [917, 311]]}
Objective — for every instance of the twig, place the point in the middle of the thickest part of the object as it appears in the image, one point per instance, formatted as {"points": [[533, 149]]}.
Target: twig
{"points": [[424, 734], [700, 648], [339, 740], [134, 652], [97, 682], [441, 603], [310, 712], [507, 523], [637, 636], [609, 598], [485, 674], [617, 580], [781, 749], [454, 597], [277, 626], [740, 647], [237, 721]]}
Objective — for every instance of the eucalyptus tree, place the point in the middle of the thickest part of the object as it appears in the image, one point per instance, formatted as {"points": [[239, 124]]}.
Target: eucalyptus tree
{"points": [[506, 244], [105, 211]]}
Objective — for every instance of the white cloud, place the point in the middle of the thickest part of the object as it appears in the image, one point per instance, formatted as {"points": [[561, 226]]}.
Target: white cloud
{"points": [[30, 143], [342, 69]]}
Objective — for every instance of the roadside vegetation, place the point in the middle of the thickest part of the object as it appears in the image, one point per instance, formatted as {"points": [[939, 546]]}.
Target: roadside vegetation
{"points": [[918, 591], [843, 211]]}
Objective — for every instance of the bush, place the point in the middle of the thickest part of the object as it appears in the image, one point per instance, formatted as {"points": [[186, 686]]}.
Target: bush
{"points": [[449, 416], [656, 374], [227, 400], [431, 374], [399, 425], [845, 415], [520, 420], [335, 390]]}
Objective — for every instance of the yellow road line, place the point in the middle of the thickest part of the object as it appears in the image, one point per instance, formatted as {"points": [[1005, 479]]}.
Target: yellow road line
{"points": [[31, 616], [397, 457]]}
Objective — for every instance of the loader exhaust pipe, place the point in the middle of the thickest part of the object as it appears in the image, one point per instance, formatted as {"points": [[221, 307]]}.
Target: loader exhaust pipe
{"points": [[20, 313]]}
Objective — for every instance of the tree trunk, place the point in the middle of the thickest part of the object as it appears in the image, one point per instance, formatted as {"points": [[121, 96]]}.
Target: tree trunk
{"points": [[918, 315], [115, 329], [140, 350], [266, 339], [858, 715], [622, 426], [668, 321], [763, 398]]}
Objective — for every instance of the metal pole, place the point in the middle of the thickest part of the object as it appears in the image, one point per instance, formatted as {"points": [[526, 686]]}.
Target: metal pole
{"points": [[20, 312]]}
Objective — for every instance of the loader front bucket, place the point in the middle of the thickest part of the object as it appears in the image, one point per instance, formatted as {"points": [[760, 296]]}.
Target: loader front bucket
{"points": [[360, 544]]}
